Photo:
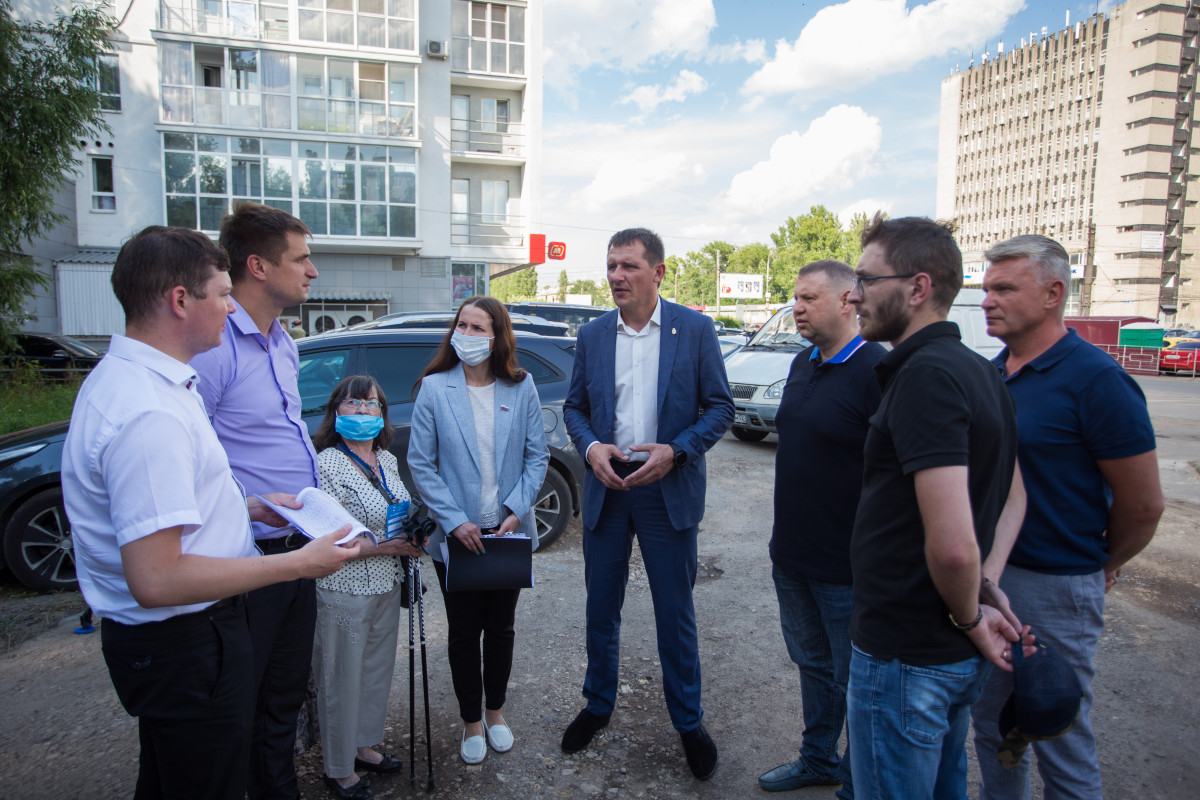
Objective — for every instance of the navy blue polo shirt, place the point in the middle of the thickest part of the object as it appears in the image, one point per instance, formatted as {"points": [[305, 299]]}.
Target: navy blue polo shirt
{"points": [[822, 423], [1075, 406]]}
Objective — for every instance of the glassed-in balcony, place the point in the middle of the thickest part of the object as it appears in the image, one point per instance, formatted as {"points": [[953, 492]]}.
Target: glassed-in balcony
{"points": [[227, 18], [263, 111]]}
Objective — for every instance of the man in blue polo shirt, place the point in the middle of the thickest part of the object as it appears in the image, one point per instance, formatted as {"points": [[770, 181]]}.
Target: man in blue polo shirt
{"points": [[830, 395], [1086, 451]]}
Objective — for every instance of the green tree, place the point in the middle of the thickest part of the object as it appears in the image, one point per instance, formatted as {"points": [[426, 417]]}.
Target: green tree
{"points": [[48, 102], [804, 239], [518, 286], [564, 284]]}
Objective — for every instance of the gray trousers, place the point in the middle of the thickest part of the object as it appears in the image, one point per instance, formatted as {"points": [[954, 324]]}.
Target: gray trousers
{"points": [[354, 655], [1066, 613]]}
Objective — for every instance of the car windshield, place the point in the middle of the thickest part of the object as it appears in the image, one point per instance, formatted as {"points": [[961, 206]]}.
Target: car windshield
{"points": [[779, 333]]}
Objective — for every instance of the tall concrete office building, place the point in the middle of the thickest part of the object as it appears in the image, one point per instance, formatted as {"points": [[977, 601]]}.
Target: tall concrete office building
{"points": [[1085, 135], [405, 133]]}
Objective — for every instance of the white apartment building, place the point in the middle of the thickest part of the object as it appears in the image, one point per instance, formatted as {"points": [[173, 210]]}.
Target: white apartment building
{"points": [[405, 133], [1085, 135]]}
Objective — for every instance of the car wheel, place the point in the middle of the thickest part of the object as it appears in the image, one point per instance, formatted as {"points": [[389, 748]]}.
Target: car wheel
{"points": [[552, 509], [37, 544], [749, 434]]}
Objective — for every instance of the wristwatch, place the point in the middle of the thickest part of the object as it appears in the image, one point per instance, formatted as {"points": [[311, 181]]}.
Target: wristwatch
{"points": [[681, 458]]}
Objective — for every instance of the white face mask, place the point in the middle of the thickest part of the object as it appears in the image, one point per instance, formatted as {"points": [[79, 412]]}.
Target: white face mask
{"points": [[472, 350]]}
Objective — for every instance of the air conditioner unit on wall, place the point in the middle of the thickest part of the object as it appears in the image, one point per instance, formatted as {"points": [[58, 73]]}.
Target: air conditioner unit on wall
{"points": [[436, 49]]}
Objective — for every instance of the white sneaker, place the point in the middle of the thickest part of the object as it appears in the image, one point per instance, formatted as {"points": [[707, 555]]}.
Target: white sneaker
{"points": [[473, 749], [499, 737]]}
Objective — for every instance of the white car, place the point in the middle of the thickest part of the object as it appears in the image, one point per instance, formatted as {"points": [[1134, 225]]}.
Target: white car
{"points": [[758, 372]]}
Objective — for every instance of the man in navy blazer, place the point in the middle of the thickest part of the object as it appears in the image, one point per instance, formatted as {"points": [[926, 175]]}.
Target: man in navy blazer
{"points": [[648, 397]]}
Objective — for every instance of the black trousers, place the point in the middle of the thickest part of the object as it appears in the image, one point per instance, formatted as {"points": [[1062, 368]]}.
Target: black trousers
{"points": [[188, 681], [283, 619], [469, 615]]}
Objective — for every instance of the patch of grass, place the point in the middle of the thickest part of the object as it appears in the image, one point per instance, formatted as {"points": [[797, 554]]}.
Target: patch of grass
{"points": [[27, 399]]}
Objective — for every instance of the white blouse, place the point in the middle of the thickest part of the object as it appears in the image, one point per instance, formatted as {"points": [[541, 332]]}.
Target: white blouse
{"points": [[343, 479]]}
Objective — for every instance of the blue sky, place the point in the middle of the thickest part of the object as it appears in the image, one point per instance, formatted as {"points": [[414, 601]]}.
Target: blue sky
{"points": [[718, 119]]}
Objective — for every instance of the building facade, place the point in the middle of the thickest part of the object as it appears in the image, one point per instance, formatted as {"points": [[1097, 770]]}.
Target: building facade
{"points": [[1085, 135], [405, 133]]}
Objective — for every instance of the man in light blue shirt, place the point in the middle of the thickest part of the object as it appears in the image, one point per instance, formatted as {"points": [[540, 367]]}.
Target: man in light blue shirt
{"points": [[250, 392]]}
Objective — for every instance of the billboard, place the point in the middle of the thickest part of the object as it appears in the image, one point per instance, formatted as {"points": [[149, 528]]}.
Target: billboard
{"points": [[741, 286]]}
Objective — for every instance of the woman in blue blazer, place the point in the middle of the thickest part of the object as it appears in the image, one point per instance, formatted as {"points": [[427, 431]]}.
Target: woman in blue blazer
{"points": [[477, 454]]}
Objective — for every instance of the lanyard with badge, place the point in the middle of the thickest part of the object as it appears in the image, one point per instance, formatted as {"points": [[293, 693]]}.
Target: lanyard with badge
{"points": [[397, 510]]}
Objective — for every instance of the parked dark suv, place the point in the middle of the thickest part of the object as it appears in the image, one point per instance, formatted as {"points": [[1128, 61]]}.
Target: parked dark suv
{"points": [[573, 316], [395, 357]]}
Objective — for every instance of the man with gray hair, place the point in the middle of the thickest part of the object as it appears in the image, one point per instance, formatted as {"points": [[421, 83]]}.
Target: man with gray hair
{"points": [[830, 395], [1087, 453]]}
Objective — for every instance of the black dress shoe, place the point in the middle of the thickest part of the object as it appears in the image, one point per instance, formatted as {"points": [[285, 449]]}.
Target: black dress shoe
{"points": [[389, 764], [701, 752], [580, 732], [359, 791]]}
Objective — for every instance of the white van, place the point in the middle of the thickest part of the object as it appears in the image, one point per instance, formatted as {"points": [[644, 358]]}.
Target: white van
{"points": [[757, 373]]}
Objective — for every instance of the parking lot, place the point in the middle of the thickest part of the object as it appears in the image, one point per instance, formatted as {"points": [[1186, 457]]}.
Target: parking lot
{"points": [[64, 734]]}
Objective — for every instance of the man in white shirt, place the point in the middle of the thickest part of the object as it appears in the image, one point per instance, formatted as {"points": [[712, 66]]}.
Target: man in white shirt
{"points": [[162, 530], [648, 397]]}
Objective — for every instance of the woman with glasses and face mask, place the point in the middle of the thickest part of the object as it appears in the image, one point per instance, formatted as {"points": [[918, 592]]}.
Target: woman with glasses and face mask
{"points": [[477, 454], [358, 607]]}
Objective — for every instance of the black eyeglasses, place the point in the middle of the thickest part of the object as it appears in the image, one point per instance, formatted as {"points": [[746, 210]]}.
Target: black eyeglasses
{"points": [[862, 281]]}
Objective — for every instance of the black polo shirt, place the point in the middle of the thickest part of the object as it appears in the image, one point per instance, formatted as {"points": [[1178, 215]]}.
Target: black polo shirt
{"points": [[822, 423], [943, 405]]}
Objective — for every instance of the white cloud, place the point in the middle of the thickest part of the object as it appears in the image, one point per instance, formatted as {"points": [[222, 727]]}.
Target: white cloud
{"points": [[648, 98], [832, 155], [753, 51], [867, 205], [858, 41], [621, 34]]}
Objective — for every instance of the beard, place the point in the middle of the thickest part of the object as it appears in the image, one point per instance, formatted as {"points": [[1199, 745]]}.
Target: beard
{"points": [[887, 321]]}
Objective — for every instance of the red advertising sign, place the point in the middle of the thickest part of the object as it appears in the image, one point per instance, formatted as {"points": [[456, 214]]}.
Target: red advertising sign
{"points": [[557, 250], [537, 248]]}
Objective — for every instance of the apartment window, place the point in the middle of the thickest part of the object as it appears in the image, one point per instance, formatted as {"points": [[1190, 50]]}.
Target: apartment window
{"points": [[108, 83], [488, 37], [467, 279], [104, 196], [494, 205], [387, 24], [336, 189], [460, 206], [369, 98]]}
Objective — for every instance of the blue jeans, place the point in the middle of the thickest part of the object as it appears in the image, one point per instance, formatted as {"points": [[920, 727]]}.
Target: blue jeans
{"points": [[908, 727], [1066, 612], [815, 617], [670, 559]]}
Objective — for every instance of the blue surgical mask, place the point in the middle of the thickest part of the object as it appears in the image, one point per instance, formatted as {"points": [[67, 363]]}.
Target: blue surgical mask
{"points": [[358, 427], [472, 350]]}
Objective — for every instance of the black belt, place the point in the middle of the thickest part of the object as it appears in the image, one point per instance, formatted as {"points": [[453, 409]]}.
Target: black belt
{"points": [[282, 544], [624, 469]]}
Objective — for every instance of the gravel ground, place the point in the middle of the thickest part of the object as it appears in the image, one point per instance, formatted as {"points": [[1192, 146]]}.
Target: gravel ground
{"points": [[64, 735]]}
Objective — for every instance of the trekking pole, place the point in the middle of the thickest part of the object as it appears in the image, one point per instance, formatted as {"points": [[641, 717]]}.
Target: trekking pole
{"points": [[412, 692], [424, 677]]}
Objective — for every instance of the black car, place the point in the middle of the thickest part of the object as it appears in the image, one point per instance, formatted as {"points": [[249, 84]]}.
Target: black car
{"points": [[55, 355], [573, 315], [37, 536], [395, 357], [443, 319]]}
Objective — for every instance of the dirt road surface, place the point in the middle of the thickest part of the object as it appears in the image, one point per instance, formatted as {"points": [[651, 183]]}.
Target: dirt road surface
{"points": [[64, 735]]}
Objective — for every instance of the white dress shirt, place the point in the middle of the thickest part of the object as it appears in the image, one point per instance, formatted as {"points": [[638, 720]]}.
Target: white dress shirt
{"points": [[140, 457], [636, 369]]}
